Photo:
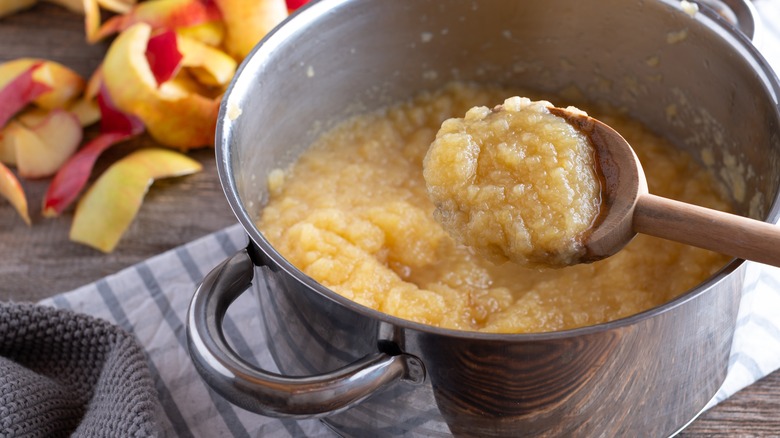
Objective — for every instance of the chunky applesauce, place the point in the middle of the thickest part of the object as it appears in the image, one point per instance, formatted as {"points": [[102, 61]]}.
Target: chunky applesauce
{"points": [[354, 214], [515, 183]]}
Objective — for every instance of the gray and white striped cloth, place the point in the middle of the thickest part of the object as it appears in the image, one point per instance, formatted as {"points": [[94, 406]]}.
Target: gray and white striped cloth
{"points": [[150, 300]]}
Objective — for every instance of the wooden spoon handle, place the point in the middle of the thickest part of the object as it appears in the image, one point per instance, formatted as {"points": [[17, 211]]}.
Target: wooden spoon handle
{"points": [[725, 233]]}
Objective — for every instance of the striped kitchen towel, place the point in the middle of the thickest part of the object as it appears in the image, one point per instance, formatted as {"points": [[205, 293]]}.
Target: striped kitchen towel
{"points": [[150, 301]]}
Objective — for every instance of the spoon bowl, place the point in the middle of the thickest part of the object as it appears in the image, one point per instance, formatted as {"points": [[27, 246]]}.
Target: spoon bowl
{"points": [[628, 208], [623, 182]]}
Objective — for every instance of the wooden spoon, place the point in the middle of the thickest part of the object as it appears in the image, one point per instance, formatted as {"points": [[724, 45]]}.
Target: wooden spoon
{"points": [[628, 208]]}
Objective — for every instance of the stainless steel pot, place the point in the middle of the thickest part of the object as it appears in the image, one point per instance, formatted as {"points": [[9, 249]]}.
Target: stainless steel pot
{"points": [[698, 81]]}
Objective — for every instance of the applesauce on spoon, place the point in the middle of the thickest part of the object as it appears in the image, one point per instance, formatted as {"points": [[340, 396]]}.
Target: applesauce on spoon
{"points": [[515, 183], [524, 182], [354, 214]]}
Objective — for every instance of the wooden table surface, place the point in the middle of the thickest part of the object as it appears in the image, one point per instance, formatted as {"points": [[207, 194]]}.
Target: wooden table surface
{"points": [[40, 261]]}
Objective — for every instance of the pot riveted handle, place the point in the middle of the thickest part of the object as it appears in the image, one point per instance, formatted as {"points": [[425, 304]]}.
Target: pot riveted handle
{"points": [[268, 393], [740, 13]]}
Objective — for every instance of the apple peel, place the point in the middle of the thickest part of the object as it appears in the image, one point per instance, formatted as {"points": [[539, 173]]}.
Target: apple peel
{"points": [[211, 33], [107, 209], [19, 92], [32, 117], [9, 7], [91, 20], [47, 84], [114, 120], [92, 15], [94, 83], [72, 176], [7, 153], [76, 6], [118, 6], [163, 56], [161, 14], [42, 149], [174, 115], [12, 190], [86, 110], [293, 5], [211, 66], [66, 85], [248, 21]]}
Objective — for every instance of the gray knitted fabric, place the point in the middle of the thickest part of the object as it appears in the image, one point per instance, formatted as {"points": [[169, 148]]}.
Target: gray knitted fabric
{"points": [[67, 374]]}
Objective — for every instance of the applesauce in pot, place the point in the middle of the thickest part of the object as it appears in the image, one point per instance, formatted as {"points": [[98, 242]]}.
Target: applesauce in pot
{"points": [[354, 214]]}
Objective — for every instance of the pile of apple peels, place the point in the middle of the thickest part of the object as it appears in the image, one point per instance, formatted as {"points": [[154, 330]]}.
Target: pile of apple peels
{"points": [[164, 73]]}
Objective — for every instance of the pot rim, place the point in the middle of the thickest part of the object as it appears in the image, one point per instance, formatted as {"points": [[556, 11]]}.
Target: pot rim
{"points": [[310, 12]]}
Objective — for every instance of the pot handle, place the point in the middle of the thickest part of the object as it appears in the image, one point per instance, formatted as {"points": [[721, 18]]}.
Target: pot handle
{"points": [[739, 13], [268, 393]]}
